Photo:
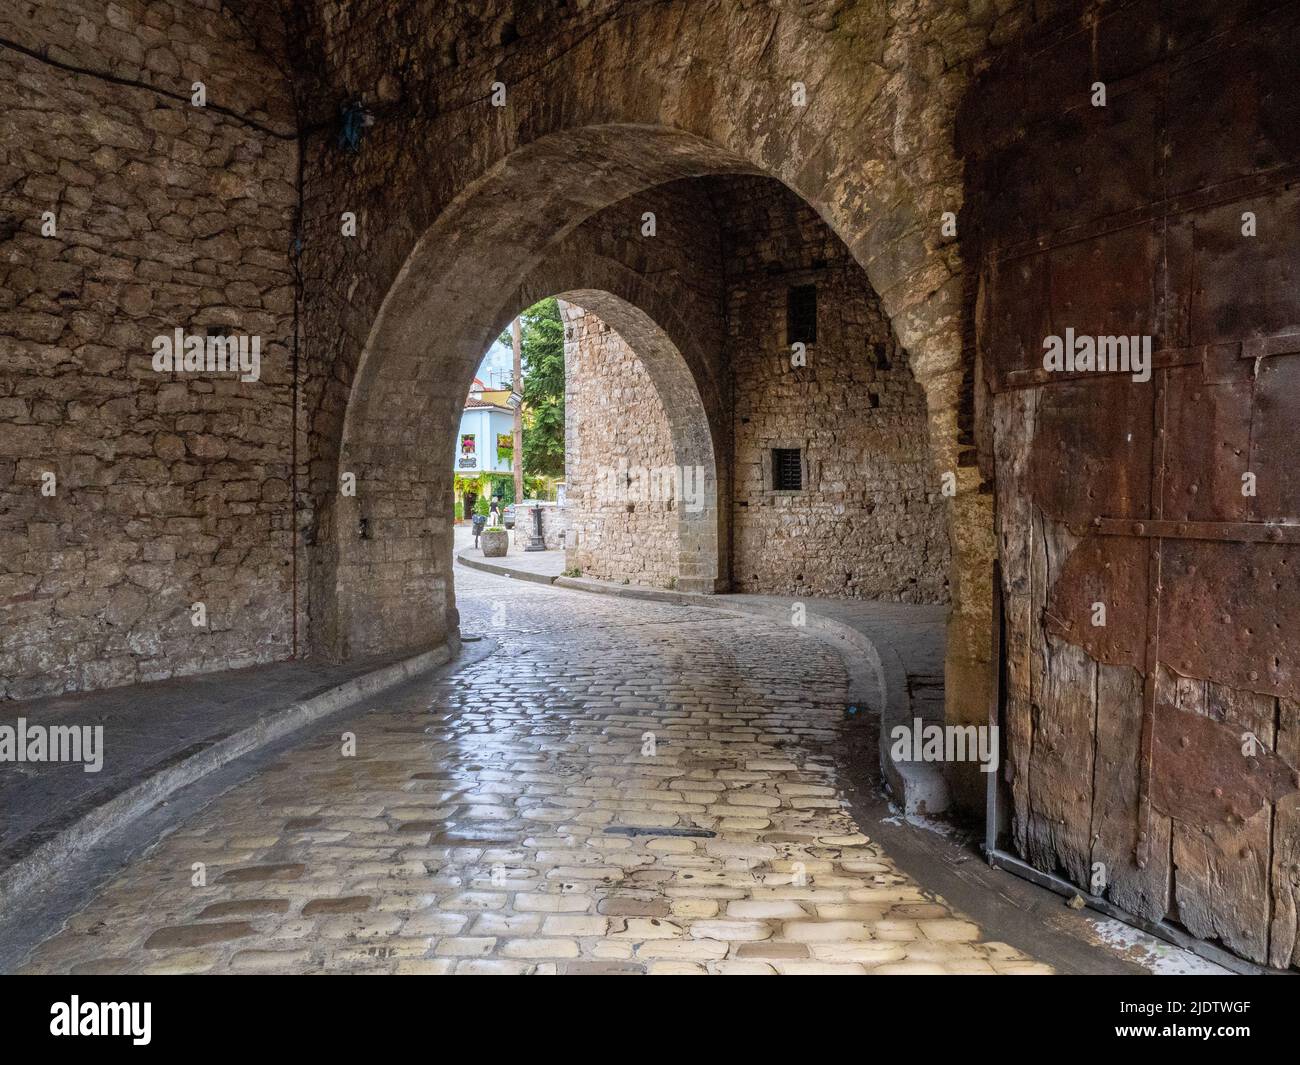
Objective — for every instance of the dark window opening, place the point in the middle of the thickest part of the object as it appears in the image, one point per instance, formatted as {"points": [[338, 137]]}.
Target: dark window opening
{"points": [[787, 469], [801, 314]]}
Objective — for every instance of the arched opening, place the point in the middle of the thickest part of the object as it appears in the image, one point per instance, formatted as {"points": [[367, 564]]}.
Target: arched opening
{"points": [[675, 475], [382, 580], [652, 455], [381, 571]]}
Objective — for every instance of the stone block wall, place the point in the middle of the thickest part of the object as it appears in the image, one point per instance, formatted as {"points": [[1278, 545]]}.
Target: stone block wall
{"points": [[554, 524], [869, 522], [169, 488], [601, 97], [614, 423]]}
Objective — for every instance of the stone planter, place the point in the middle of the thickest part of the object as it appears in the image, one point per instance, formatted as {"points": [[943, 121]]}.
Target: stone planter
{"points": [[494, 543]]}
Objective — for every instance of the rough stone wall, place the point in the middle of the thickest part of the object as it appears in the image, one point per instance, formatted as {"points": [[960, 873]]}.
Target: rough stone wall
{"points": [[662, 294], [869, 522], [459, 199], [170, 488], [614, 421]]}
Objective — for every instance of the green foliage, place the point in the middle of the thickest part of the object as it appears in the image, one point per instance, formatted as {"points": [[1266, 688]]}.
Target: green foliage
{"points": [[481, 506], [542, 353], [503, 488]]}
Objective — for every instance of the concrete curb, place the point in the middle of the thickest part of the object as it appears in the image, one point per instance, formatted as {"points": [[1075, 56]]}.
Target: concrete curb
{"points": [[143, 796], [503, 571], [919, 787]]}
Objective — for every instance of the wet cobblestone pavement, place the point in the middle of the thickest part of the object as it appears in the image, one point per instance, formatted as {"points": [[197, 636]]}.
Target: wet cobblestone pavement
{"points": [[620, 787]]}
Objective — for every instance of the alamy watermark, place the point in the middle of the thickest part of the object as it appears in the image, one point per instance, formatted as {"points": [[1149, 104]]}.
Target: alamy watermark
{"points": [[211, 353], [1079, 354], [21, 742], [77, 1018], [919, 742], [646, 484]]}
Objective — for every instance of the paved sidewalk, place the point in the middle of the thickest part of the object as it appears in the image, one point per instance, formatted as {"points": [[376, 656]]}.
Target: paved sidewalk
{"points": [[148, 730], [545, 565]]}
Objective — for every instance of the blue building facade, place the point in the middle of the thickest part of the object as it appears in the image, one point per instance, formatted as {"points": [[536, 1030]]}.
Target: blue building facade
{"points": [[484, 428]]}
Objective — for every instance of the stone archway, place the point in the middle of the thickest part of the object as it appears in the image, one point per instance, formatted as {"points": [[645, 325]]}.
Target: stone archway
{"points": [[607, 100], [419, 357], [382, 583], [679, 348], [697, 511], [680, 369]]}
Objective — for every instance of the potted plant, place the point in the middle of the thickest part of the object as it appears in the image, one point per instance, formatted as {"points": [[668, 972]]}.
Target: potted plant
{"points": [[494, 541]]}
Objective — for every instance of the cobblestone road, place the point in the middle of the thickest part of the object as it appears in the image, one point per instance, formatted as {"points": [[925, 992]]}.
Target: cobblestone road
{"points": [[621, 787]]}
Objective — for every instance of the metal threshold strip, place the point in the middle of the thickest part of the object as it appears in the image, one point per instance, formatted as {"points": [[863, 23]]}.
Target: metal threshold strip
{"points": [[1160, 929]]}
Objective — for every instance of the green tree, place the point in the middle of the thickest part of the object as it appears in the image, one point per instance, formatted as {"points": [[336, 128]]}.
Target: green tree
{"points": [[542, 345]]}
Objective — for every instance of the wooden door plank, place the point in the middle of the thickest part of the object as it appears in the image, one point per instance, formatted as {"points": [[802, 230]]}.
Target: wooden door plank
{"points": [[1064, 717], [1014, 427], [1221, 871], [1142, 892], [1284, 933]]}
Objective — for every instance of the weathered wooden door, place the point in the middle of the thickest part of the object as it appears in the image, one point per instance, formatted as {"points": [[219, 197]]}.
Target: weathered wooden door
{"points": [[1149, 530], [1154, 694]]}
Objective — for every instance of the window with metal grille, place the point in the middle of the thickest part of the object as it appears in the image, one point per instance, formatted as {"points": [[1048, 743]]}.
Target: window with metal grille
{"points": [[801, 314], [787, 469]]}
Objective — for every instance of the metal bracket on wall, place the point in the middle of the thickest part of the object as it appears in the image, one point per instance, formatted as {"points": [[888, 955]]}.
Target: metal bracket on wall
{"points": [[1208, 355], [1242, 532]]}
